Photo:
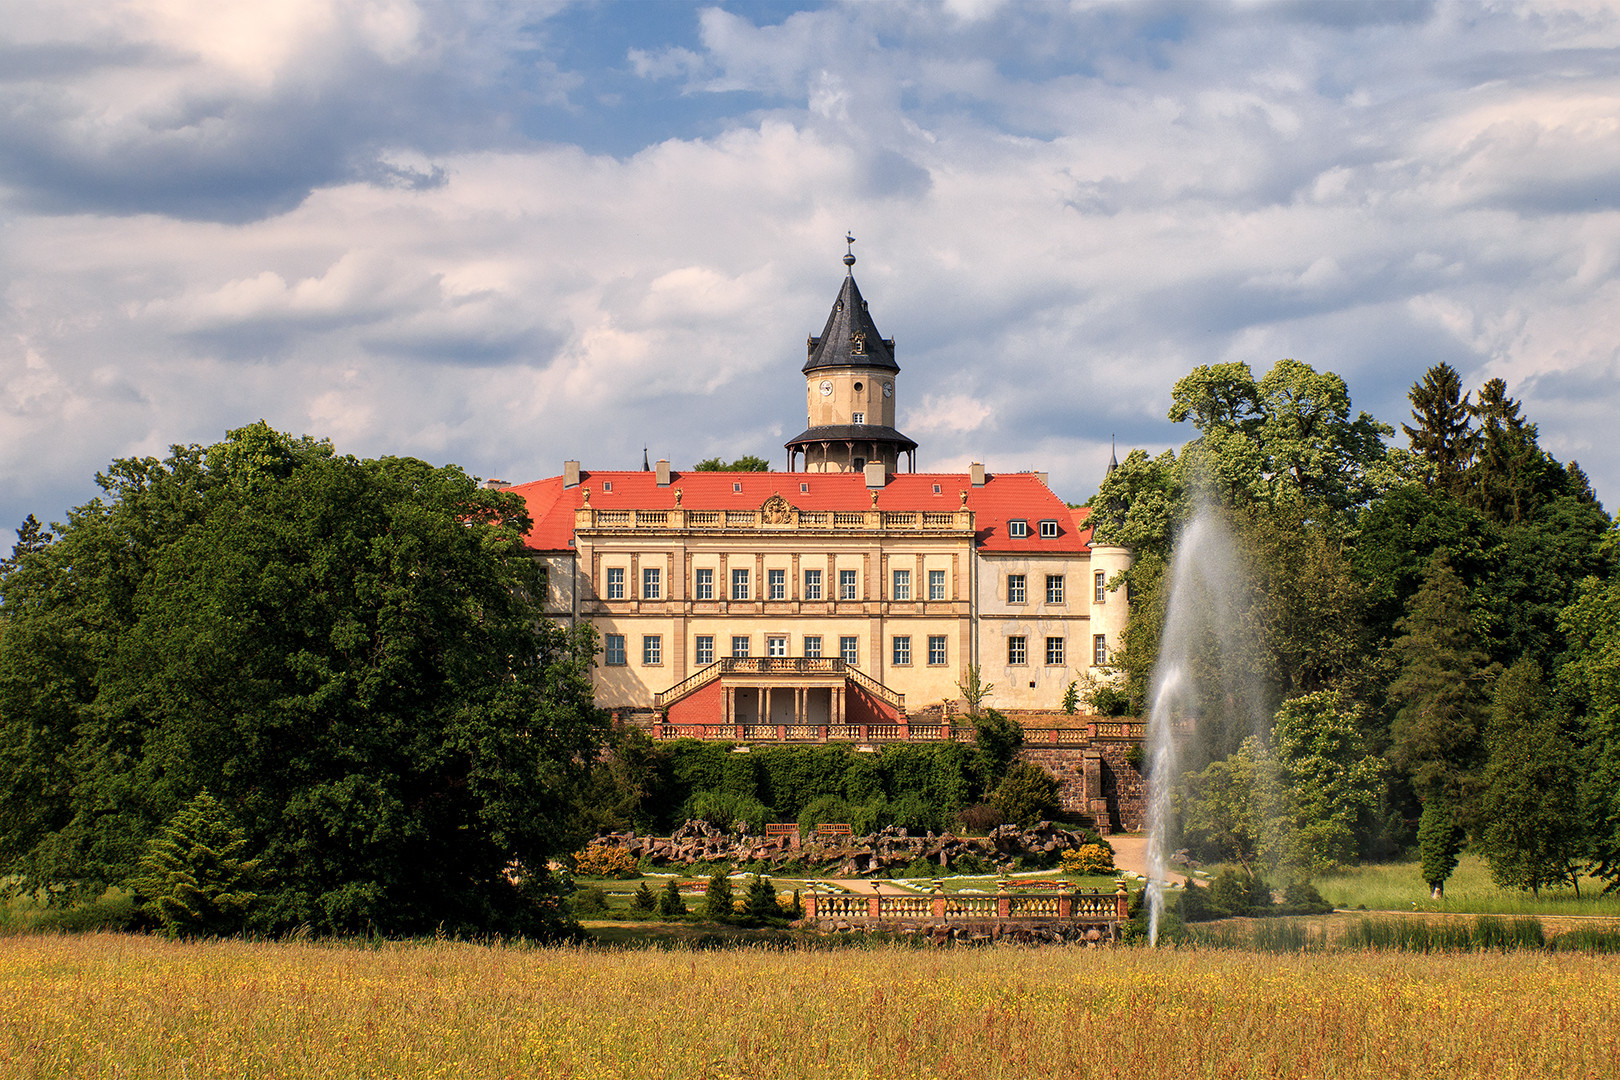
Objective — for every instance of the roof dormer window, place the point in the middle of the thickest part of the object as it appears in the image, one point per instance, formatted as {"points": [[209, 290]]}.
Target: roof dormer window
{"points": [[1048, 530], [859, 418], [607, 486], [803, 488], [736, 485], [1018, 528]]}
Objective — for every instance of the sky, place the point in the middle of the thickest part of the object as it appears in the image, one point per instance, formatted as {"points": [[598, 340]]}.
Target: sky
{"points": [[505, 235]]}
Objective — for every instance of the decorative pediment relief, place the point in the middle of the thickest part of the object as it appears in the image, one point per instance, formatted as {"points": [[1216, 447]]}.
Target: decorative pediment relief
{"points": [[776, 510]]}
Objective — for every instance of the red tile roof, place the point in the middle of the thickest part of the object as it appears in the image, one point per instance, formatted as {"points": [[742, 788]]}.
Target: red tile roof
{"points": [[1004, 497]]}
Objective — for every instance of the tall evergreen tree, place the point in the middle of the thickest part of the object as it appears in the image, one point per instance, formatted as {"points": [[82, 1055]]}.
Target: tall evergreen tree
{"points": [[1444, 436], [194, 878], [1511, 474], [1530, 833]]}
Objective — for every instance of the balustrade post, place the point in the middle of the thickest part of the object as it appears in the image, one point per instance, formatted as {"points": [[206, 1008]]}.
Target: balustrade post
{"points": [[781, 733], [937, 908], [1003, 901], [874, 906], [810, 900], [1066, 903], [1122, 901], [866, 733]]}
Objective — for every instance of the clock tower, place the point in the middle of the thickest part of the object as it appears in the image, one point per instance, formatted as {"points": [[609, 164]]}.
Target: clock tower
{"points": [[850, 387]]}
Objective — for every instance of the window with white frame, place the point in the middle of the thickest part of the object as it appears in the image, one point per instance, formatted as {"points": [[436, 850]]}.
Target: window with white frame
{"points": [[775, 645], [1017, 651], [1054, 588], [1017, 528], [703, 649], [937, 650], [1048, 530], [652, 583], [776, 584], [702, 584], [739, 645], [812, 646], [902, 651], [739, 584], [858, 418], [902, 585], [846, 585], [1015, 588], [615, 583], [1099, 650], [1054, 651], [1100, 579], [613, 650], [849, 650], [812, 584], [652, 650], [936, 585]]}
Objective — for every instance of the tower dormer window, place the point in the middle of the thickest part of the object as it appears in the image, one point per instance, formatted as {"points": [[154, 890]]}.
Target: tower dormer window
{"points": [[858, 418]]}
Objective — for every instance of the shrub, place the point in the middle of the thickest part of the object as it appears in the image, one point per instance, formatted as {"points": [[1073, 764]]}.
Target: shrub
{"points": [[762, 899], [591, 901], [1302, 898], [1195, 905], [979, 819], [1136, 757], [1071, 698], [1027, 794], [670, 901], [717, 899], [645, 899], [1229, 893], [998, 739], [605, 860], [194, 877], [1088, 860], [969, 863], [922, 867]]}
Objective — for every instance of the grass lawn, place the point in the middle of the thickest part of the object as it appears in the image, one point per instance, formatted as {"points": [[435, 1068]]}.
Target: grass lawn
{"points": [[1400, 887]]}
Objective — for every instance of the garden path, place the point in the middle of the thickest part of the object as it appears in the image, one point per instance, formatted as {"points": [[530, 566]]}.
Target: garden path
{"points": [[1130, 853]]}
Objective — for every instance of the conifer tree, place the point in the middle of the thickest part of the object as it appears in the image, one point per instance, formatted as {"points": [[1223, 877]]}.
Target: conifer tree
{"points": [[762, 899], [1531, 834], [670, 902], [1444, 436], [717, 900], [645, 899], [193, 877], [1439, 840]]}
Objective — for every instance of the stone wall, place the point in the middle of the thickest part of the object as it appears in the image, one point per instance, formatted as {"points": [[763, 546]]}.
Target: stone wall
{"points": [[1095, 781]]}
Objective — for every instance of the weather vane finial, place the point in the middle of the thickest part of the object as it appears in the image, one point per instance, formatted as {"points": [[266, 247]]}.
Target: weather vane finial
{"points": [[849, 255]]}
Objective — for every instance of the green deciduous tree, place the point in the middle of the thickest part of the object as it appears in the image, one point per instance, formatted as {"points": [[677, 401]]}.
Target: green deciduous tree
{"points": [[1440, 838], [1328, 777], [194, 878], [1234, 809], [1530, 824], [746, 463], [670, 901], [1590, 678]]}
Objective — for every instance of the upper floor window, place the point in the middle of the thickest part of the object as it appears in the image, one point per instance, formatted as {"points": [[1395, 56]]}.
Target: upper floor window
{"points": [[651, 583], [812, 584], [1054, 588], [703, 584], [736, 486], [1048, 530], [1100, 579], [776, 645], [1015, 588], [739, 584], [812, 646], [703, 653], [613, 649], [615, 583], [1099, 650], [776, 582], [936, 650], [739, 645], [902, 651], [936, 585], [902, 585], [846, 585], [849, 650], [1017, 528]]}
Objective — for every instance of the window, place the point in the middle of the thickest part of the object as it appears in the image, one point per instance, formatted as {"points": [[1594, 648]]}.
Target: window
{"points": [[736, 486], [936, 489], [936, 650], [607, 486], [704, 652], [902, 651], [615, 583], [936, 585], [812, 584], [1054, 651], [1099, 650], [846, 585], [1101, 580], [704, 585], [651, 583], [1016, 651], [739, 584], [739, 646], [614, 649], [860, 463], [1048, 530], [1054, 588], [776, 582], [1015, 588], [652, 650], [775, 645], [858, 418], [812, 647], [902, 585], [1017, 528], [803, 488], [849, 650]]}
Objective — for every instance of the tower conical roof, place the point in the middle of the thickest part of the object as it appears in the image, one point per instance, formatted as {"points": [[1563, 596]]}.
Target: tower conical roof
{"points": [[850, 338]]}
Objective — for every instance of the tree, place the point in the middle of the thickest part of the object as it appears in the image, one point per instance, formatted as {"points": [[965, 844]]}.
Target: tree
{"points": [[974, 691], [348, 654], [1233, 809], [998, 739], [1440, 838], [1531, 835], [1026, 794], [1444, 438], [194, 879], [761, 900], [1071, 697], [670, 901], [1329, 777], [717, 898], [746, 463], [31, 537], [644, 899], [1441, 691], [1590, 679]]}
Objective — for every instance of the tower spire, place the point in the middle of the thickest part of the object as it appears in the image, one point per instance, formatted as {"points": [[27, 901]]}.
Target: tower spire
{"points": [[849, 254]]}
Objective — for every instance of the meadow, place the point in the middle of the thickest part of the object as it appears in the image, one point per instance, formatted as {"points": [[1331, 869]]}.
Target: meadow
{"points": [[1399, 886], [133, 1006]]}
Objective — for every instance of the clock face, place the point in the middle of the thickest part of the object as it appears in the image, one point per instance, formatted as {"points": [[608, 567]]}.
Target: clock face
{"points": [[826, 388], [888, 389]]}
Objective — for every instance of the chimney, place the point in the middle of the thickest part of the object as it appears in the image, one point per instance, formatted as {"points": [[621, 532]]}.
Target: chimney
{"points": [[663, 472], [876, 474], [976, 474], [1042, 478], [570, 474]]}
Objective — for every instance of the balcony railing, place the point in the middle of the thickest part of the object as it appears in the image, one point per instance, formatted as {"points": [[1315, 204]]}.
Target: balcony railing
{"points": [[778, 665], [588, 518]]}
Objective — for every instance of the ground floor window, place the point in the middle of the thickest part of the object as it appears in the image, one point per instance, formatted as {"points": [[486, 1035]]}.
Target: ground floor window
{"points": [[1099, 650], [652, 649], [613, 650], [812, 647], [849, 649], [1054, 651], [902, 650], [1017, 651], [704, 652], [776, 646], [936, 650], [739, 646]]}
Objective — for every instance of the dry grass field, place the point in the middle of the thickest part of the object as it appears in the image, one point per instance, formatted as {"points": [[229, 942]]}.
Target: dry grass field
{"points": [[126, 1006]]}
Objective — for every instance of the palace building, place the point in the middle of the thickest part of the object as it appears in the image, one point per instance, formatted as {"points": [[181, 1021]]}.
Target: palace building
{"points": [[842, 592]]}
